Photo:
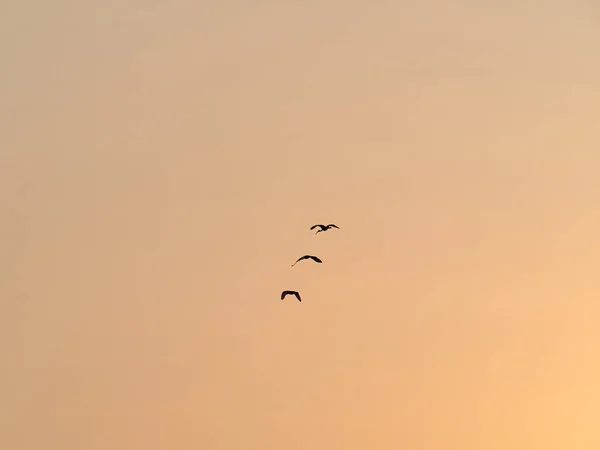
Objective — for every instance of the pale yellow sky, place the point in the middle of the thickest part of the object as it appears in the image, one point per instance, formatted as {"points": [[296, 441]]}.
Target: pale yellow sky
{"points": [[161, 163]]}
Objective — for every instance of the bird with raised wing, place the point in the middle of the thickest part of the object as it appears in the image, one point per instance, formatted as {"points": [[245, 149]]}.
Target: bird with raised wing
{"points": [[284, 293], [324, 227], [314, 258]]}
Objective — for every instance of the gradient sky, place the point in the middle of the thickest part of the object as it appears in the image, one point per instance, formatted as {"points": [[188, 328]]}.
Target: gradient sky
{"points": [[161, 163]]}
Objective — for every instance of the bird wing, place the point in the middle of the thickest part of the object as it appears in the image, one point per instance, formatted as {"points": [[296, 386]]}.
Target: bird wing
{"points": [[316, 259], [300, 259], [297, 296], [315, 226], [333, 225]]}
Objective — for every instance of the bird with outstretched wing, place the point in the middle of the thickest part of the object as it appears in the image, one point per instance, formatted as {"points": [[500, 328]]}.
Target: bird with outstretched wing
{"points": [[284, 293], [324, 227], [314, 258]]}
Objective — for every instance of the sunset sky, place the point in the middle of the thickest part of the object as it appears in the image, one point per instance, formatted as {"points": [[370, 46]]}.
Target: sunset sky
{"points": [[161, 164]]}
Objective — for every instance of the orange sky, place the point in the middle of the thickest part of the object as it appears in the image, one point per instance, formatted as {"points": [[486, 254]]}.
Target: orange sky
{"points": [[161, 163]]}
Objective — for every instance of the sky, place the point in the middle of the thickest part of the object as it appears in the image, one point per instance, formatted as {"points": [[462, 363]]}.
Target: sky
{"points": [[161, 164]]}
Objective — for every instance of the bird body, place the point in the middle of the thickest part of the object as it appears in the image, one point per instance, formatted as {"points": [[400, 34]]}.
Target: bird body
{"points": [[284, 293], [324, 227], [314, 258]]}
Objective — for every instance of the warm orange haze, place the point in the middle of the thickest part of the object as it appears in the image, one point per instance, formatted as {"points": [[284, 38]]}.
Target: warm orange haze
{"points": [[161, 164]]}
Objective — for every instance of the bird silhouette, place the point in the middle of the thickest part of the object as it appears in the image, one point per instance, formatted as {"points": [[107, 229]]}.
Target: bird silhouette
{"points": [[314, 258], [284, 293], [324, 227]]}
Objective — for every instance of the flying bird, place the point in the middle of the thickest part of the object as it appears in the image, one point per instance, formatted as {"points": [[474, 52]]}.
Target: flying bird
{"points": [[324, 227], [314, 258], [284, 293]]}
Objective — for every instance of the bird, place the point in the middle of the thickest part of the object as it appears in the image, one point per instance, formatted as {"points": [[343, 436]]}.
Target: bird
{"points": [[314, 258], [284, 293], [324, 227]]}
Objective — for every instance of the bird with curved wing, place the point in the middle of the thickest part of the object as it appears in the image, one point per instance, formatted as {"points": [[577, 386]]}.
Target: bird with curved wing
{"points": [[284, 293], [324, 227], [314, 258]]}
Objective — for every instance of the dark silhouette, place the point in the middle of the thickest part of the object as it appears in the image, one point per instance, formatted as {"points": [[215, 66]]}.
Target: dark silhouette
{"points": [[284, 293], [324, 227], [314, 258]]}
